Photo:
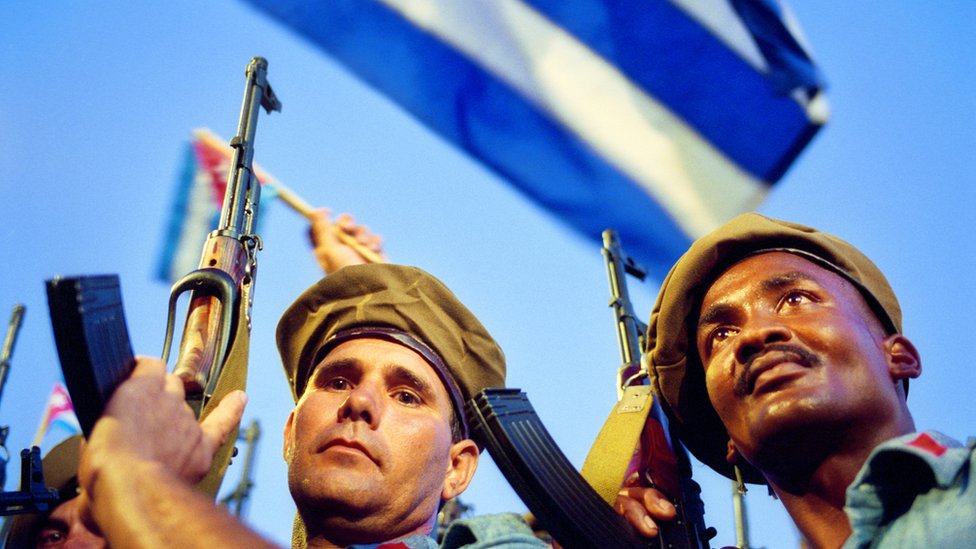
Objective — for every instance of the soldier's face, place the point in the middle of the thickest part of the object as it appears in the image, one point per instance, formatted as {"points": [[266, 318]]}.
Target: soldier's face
{"points": [[370, 437], [788, 345]]}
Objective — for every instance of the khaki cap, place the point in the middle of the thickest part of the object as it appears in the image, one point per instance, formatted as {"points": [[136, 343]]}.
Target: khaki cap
{"points": [[60, 467], [397, 303], [676, 369]]}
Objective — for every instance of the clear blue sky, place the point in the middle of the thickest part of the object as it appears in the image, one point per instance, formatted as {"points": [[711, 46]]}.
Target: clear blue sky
{"points": [[97, 101]]}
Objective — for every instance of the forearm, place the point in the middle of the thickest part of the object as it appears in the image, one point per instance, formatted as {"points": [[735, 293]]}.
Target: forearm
{"points": [[142, 505]]}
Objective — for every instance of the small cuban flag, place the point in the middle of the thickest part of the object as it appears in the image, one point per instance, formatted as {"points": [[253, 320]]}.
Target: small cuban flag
{"points": [[58, 421], [198, 201]]}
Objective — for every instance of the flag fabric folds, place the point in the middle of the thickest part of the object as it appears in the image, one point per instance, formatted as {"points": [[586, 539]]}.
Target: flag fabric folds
{"points": [[198, 201], [658, 118]]}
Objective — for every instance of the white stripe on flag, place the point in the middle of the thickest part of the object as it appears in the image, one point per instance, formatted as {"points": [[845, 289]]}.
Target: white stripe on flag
{"points": [[596, 102]]}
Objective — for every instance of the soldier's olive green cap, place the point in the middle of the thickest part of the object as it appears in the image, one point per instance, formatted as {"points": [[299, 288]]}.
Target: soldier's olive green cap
{"points": [[402, 304], [60, 467], [676, 369]]}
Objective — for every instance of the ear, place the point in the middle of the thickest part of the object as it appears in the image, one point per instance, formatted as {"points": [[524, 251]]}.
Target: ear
{"points": [[903, 359], [460, 469], [286, 446], [731, 453]]}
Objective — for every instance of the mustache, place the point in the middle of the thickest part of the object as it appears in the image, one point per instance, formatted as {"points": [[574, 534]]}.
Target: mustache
{"points": [[744, 383]]}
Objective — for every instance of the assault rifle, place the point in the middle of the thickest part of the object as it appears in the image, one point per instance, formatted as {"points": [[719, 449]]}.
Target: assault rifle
{"points": [[236, 499], [16, 318], [89, 325], [565, 503], [663, 462], [34, 496]]}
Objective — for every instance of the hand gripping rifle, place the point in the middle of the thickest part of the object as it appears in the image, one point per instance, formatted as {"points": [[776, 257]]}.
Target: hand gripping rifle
{"points": [[89, 326], [636, 438], [576, 509]]}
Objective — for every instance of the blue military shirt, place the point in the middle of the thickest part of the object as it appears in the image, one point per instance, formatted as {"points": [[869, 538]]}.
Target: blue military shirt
{"points": [[915, 491]]}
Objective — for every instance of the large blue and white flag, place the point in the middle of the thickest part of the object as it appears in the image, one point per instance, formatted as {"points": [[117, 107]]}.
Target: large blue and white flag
{"points": [[659, 118]]}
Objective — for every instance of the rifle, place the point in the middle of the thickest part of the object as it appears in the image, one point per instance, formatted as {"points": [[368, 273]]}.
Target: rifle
{"points": [[93, 344], [34, 496], [663, 461], [16, 318], [239, 496]]}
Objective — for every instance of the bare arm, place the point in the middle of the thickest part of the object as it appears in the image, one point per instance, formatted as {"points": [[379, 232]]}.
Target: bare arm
{"points": [[143, 455]]}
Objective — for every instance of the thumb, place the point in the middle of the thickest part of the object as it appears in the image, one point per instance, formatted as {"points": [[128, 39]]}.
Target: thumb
{"points": [[219, 423]]}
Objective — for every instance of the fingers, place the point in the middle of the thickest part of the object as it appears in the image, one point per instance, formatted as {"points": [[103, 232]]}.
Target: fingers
{"points": [[636, 515], [641, 506]]}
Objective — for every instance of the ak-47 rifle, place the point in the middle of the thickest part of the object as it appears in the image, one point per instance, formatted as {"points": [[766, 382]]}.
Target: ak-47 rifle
{"points": [[663, 462], [236, 499], [568, 504], [86, 312], [34, 496], [16, 317]]}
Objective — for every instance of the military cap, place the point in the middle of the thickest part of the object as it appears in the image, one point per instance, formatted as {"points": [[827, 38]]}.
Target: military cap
{"points": [[676, 369], [60, 467], [405, 305]]}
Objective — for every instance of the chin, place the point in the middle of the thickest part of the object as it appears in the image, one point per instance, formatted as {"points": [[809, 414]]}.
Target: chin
{"points": [[794, 433], [327, 491]]}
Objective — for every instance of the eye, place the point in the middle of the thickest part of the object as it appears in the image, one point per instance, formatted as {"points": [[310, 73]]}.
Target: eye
{"points": [[407, 398], [795, 298], [718, 336], [50, 538], [338, 384], [722, 333]]}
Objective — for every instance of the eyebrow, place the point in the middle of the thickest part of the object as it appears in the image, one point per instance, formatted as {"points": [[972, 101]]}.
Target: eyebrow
{"points": [[332, 366], [784, 280], [50, 523], [390, 370], [715, 313], [401, 373], [773, 283]]}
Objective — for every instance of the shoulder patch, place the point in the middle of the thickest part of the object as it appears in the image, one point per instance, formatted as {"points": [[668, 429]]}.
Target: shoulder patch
{"points": [[926, 443]]}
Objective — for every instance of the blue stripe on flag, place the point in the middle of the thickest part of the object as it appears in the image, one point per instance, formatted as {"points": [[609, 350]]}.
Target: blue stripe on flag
{"points": [[657, 181], [178, 212], [699, 77]]}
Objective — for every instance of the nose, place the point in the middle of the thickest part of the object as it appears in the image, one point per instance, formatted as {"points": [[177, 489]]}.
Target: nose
{"points": [[762, 329], [362, 404]]}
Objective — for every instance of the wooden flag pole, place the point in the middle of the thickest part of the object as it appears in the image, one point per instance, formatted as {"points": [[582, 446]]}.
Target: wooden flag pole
{"points": [[289, 197], [298, 204]]}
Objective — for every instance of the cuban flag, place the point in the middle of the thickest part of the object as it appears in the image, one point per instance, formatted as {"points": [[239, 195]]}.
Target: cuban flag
{"points": [[58, 421], [197, 203], [659, 118]]}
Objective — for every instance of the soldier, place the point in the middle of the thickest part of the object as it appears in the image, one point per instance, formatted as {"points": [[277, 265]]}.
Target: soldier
{"points": [[778, 350], [380, 359]]}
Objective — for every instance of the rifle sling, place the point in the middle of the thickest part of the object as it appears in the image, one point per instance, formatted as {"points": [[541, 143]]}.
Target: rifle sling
{"points": [[613, 449], [232, 376]]}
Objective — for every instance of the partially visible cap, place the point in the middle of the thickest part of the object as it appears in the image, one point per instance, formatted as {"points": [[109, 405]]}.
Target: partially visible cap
{"points": [[60, 467], [677, 372], [397, 303]]}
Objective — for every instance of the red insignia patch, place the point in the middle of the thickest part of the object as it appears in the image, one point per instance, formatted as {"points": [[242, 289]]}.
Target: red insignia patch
{"points": [[928, 444]]}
